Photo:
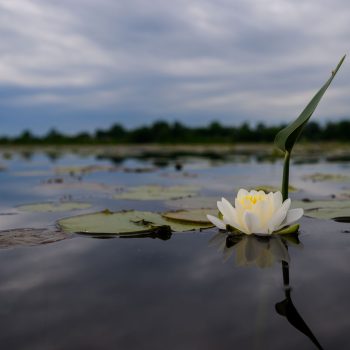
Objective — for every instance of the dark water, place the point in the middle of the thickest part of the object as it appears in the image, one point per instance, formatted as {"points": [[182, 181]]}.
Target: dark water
{"points": [[193, 291]]}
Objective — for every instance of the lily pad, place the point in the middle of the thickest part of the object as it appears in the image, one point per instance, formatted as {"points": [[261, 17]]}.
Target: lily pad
{"points": [[29, 237], [317, 177], [155, 192], [123, 222], [198, 216], [270, 188], [193, 203], [77, 185], [33, 173], [326, 209], [53, 207], [82, 170]]}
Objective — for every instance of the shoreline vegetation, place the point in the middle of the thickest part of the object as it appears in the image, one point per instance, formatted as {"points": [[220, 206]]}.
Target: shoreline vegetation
{"points": [[176, 133], [161, 154]]}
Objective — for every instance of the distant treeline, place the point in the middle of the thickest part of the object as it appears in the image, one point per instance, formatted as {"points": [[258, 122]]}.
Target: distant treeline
{"points": [[168, 133]]}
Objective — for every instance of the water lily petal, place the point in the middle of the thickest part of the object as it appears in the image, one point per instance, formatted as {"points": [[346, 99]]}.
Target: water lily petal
{"points": [[229, 213], [227, 206], [226, 213], [292, 216], [251, 222], [279, 216], [242, 193], [217, 222], [220, 207], [277, 199], [262, 194]]}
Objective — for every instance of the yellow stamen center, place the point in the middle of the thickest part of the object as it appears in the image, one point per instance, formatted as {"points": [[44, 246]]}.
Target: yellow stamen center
{"points": [[249, 200]]}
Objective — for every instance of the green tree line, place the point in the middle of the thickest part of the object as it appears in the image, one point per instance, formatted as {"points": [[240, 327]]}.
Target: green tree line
{"points": [[169, 133]]}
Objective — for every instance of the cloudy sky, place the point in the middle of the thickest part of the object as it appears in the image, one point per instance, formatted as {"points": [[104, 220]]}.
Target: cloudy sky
{"points": [[81, 64]]}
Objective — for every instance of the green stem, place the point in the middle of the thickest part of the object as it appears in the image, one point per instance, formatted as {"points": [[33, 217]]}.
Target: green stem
{"points": [[285, 271], [285, 180]]}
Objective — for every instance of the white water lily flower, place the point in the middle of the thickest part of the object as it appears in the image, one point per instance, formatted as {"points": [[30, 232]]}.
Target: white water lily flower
{"points": [[256, 212]]}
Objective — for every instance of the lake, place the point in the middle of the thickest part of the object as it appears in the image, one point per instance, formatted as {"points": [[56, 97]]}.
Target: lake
{"points": [[201, 289]]}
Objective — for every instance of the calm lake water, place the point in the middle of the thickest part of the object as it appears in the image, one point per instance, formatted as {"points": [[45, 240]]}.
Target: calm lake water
{"points": [[193, 290]]}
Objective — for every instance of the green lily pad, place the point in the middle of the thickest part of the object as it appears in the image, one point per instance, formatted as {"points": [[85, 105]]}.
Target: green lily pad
{"points": [[193, 203], [317, 177], [29, 173], [198, 216], [327, 209], [155, 192], [82, 170], [123, 222], [270, 188], [53, 207], [58, 185]]}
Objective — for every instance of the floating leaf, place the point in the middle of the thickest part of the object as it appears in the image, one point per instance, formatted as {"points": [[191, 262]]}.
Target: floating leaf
{"points": [[77, 185], [327, 209], [82, 170], [193, 203], [317, 177], [198, 216], [54, 207], [29, 237], [342, 219], [123, 222], [155, 192], [287, 137], [269, 188], [29, 173]]}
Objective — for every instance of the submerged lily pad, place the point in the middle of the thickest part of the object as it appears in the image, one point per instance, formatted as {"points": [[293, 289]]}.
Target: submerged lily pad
{"points": [[198, 216], [155, 192], [29, 237], [54, 207], [325, 209], [123, 222]]}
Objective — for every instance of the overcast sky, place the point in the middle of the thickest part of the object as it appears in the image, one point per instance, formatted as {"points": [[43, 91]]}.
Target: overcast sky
{"points": [[81, 64]]}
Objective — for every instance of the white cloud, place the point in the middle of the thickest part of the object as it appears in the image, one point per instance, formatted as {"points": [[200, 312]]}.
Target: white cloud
{"points": [[174, 58], [40, 47]]}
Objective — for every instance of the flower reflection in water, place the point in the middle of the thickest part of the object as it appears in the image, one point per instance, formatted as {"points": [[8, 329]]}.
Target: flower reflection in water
{"points": [[265, 252], [253, 250], [287, 309]]}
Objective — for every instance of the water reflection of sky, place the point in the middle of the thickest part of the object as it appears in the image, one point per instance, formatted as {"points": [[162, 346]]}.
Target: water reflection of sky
{"points": [[85, 293], [124, 293]]}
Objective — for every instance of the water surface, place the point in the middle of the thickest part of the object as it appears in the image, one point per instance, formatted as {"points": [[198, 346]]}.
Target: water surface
{"points": [[193, 290]]}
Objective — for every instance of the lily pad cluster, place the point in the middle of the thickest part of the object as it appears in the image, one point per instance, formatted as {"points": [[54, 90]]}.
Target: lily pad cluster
{"points": [[318, 177], [132, 222], [326, 209]]}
